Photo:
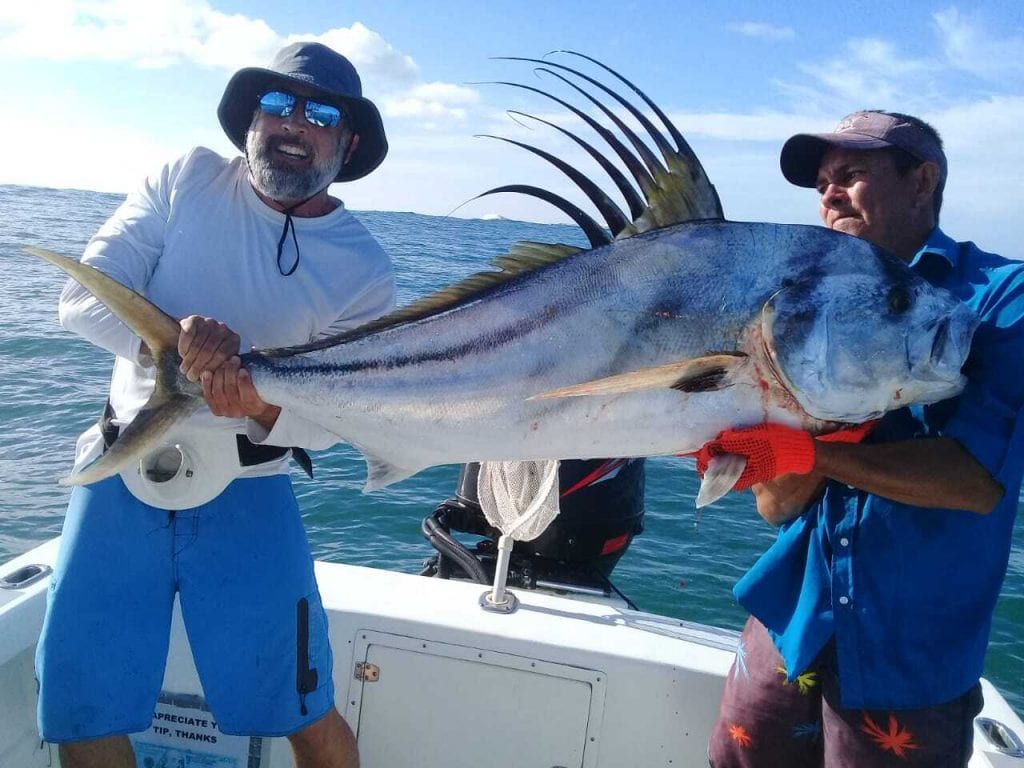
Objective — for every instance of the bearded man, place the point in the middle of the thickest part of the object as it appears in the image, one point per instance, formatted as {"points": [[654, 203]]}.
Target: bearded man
{"points": [[249, 252]]}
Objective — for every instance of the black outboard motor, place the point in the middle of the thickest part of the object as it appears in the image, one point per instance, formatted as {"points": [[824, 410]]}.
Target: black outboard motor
{"points": [[601, 510]]}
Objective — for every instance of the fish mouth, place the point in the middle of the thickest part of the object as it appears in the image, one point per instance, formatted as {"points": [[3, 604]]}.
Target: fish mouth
{"points": [[940, 339], [949, 347]]}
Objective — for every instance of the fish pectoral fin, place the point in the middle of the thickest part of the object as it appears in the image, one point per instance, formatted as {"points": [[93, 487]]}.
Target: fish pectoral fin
{"points": [[382, 473], [701, 374], [722, 473], [139, 438]]}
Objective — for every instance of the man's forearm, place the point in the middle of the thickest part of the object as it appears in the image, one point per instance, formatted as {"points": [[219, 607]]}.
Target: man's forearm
{"points": [[934, 473], [937, 473]]}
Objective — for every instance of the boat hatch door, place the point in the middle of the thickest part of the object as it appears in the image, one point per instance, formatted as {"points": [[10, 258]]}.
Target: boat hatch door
{"points": [[499, 709]]}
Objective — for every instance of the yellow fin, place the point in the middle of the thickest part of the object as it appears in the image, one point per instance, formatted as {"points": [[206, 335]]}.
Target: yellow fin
{"points": [[159, 330], [522, 257], [173, 397], [702, 374]]}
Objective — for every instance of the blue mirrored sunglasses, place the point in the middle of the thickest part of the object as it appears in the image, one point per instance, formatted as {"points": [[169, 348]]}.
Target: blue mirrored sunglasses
{"points": [[282, 104]]}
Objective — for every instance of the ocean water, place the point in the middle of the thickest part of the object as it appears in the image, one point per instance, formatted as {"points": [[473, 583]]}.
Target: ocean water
{"points": [[52, 386]]}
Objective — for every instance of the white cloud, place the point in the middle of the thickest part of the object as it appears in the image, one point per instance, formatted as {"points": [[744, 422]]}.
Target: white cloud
{"points": [[869, 72], [431, 100], [759, 127], [762, 30], [165, 33], [966, 62], [972, 48], [878, 56], [370, 53], [159, 34], [982, 140], [74, 163]]}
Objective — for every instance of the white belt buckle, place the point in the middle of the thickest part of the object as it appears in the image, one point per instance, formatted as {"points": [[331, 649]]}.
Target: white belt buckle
{"points": [[187, 472], [168, 471]]}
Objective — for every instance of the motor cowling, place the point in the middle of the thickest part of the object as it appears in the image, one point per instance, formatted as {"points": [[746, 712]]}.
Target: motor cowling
{"points": [[601, 510]]}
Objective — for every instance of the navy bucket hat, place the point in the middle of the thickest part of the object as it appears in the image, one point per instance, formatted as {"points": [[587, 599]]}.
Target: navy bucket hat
{"points": [[334, 80], [869, 129]]}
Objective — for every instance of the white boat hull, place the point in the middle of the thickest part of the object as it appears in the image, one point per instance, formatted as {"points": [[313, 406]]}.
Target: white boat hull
{"points": [[428, 678]]}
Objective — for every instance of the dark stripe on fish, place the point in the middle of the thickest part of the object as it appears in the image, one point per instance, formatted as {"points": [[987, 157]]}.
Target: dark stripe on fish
{"points": [[483, 343]]}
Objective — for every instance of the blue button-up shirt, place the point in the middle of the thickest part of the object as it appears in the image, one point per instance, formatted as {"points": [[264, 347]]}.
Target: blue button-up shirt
{"points": [[908, 593]]}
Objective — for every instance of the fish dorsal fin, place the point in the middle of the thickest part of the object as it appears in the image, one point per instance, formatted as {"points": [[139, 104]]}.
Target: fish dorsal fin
{"points": [[674, 199], [522, 257], [526, 256], [674, 187]]}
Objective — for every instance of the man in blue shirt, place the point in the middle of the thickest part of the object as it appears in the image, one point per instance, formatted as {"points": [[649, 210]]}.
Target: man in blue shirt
{"points": [[870, 614]]}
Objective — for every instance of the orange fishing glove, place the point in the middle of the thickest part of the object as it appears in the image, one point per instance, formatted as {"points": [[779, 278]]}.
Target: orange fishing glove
{"points": [[770, 449]]}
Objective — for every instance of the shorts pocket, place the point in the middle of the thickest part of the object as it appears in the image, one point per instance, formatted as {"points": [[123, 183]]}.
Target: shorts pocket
{"points": [[312, 648]]}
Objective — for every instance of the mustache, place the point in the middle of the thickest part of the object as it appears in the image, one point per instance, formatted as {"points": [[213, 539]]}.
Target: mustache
{"points": [[276, 142]]}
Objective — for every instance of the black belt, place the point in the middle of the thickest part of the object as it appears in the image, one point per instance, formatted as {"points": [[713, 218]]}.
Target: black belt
{"points": [[249, 453]]}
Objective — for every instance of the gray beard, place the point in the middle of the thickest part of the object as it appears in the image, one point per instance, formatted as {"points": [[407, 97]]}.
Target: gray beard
{"points": [[287, 184]]}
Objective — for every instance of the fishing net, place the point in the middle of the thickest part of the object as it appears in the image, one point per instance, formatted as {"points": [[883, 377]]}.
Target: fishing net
{"points": [[520, 499]]}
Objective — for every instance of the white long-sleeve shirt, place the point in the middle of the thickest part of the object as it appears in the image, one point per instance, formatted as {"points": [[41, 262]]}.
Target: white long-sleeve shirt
{"points": [[196, 239]]}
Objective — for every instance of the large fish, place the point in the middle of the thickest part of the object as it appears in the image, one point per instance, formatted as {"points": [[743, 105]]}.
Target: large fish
{"points": [[647, 344]]}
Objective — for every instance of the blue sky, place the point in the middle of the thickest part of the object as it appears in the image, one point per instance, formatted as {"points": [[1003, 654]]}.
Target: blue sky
{"points": [[102, 92]]}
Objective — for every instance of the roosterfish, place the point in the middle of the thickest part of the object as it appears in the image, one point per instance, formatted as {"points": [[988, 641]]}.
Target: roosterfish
{"points": [[674, 325]]}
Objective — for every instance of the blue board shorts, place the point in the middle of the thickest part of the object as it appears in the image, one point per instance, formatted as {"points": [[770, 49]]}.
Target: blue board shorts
{"points": [[244, 574]]}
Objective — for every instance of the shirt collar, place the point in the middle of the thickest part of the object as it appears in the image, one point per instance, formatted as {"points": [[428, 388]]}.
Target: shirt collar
{"points": [[937, 259], [938, 244]]}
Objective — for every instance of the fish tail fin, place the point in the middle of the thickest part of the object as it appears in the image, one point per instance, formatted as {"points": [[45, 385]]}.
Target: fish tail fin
{"points": [[170, 402], [161, 412], [159, 330]]}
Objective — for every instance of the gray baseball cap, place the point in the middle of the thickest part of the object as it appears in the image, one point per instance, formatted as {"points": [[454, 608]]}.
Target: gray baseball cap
{"points": [[328, 74], [801, 154]]}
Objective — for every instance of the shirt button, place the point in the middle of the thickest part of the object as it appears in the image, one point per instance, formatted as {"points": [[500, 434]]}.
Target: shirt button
{"points": [[844, 600], [844, 541]]}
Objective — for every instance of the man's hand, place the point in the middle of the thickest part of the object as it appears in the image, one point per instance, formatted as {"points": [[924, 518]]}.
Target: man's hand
{"points": [[205, 345], [780, 500], [770, 450], [229, 392]]}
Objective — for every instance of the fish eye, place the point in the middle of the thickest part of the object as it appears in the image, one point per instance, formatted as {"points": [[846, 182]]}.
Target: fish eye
{"points": [[899, 300]]}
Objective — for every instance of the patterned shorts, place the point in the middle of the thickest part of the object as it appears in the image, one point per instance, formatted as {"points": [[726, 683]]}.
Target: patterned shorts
{"points": [[766, 722]]}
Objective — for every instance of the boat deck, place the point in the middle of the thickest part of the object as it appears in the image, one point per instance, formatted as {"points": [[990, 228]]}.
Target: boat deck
{"points": [[426, 677]]}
